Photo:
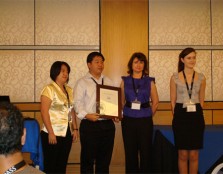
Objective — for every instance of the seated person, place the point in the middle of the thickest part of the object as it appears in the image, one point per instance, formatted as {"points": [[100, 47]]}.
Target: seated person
{"points": [[13, 136]]}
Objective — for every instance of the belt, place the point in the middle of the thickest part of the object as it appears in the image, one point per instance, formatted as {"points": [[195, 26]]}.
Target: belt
{"points": [[142, 105]]}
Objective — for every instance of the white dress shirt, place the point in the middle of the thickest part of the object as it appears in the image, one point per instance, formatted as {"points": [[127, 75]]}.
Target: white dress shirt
{"points": [[85, 94]]}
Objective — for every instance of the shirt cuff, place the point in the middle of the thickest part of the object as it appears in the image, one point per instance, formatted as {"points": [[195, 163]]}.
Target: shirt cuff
{"points": [[82, 115]]}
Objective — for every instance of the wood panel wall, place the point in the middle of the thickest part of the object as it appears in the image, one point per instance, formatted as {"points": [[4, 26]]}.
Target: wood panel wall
{"points": [[124, 30]]}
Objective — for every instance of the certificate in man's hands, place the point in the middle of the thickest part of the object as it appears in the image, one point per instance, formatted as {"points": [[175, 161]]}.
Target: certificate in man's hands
{"points": [[108, 101]]}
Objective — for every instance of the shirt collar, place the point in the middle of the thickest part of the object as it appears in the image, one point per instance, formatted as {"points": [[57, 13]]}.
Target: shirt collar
{"points": [[56, 85], [89, 75]]}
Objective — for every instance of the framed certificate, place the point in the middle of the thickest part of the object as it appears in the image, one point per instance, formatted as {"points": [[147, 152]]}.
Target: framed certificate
{"points": [[108, 101]]}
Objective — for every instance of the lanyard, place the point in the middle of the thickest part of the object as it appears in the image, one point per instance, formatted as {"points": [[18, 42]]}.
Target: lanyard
{"points": [[15, 167], [192, 83], [96, 82], [134, 87], [68, 99]]}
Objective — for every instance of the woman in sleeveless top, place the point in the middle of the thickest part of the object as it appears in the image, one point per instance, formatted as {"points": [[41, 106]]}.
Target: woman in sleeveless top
{"points": [[187, 92], [138, 89]]}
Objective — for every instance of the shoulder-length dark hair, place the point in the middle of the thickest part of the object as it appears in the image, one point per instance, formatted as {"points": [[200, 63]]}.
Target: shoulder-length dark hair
{"points": [[184, 53], [56, 68], [141, 57]]}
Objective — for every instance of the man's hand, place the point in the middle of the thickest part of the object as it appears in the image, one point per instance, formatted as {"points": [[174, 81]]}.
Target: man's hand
{"points": [[92, 117]]}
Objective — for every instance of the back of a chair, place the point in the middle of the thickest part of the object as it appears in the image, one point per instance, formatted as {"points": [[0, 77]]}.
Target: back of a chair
{"points": [[33, 144]]}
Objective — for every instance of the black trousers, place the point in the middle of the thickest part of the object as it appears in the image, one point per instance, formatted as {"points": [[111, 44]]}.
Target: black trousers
{"points": [[137, 136], [97, 141], [56, 155]]}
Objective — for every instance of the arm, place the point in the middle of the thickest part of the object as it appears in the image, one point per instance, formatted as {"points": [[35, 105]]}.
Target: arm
{"points": [[173, 94], [79, 102], [122, 94], [202, 92], [44, 106], [154, 98], [74, 122]]}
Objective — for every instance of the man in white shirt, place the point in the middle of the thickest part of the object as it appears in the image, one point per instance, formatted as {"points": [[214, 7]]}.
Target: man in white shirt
{"points": [[96, 134]]}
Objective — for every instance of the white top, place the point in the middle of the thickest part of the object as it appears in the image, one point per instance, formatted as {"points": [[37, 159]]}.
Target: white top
{"points": [[85, 94]]}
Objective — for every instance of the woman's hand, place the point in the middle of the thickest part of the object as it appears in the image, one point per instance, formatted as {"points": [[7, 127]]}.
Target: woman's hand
{"points": [[116, 120], [52, 138], [75, 135]]}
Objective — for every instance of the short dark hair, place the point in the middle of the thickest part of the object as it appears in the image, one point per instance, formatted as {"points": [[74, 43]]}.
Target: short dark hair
{"points": [[56, 68], [182, 54], [11, 128], [141, 57], [91, 56]]}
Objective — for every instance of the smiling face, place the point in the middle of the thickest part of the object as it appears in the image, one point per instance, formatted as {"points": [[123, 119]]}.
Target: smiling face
{"points": [[96, 66], [62, 78], [189, 60], [137, 66]]}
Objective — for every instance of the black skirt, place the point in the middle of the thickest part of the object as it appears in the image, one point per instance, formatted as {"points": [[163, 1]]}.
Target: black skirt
{"points": [[188, 128]]}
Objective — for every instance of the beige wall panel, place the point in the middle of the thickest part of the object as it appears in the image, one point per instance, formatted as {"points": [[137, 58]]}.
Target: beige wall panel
{"points": [[217, 22], [218, 117], [124, 30], [17, 75], [16, 22], [162, 64], [163, 118], [204, 65], [179, 22], [44, 60], [217, 70], [67, 22]]}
